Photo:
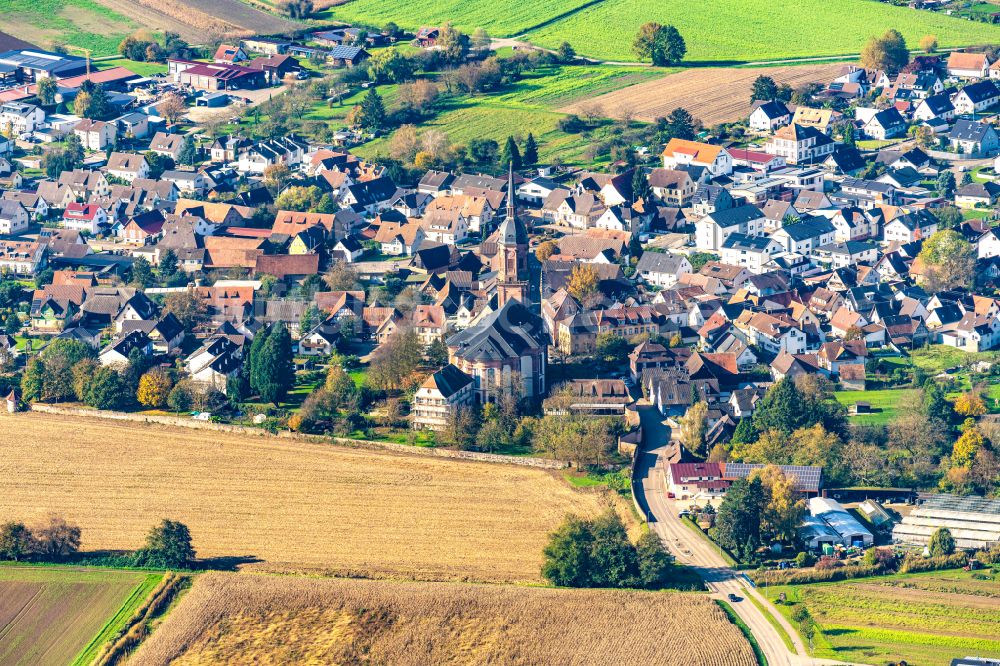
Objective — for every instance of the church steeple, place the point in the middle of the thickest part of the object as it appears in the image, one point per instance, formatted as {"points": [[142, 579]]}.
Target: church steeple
{"points": [[510, 191], [512, 255]]}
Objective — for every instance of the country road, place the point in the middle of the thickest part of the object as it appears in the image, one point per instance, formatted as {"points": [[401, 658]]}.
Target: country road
{"points": [[693, 550]]}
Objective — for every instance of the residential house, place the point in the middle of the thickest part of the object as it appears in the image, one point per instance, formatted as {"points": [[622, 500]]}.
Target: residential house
{"points": [[400, 239], [799, 144], [89, 218], [935, 107], [672, 187], [662, 269], [712, 230], [805, 236], [229, 54], [976, 195], [440, 396], [910, 227], [133, 125], [750, 252], [680, 152], [37, 207], [187, 182], [885, 124], [976, 97], [95, 134], [128, 166], [119, 351], [429, 322], [168, 145], [973, 138], [14, 218], [968, 65], [18, 118], [819, 119], [768, 116]]}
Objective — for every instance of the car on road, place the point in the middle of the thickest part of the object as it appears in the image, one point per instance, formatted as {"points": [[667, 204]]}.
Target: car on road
{"points": [[734, 598]]}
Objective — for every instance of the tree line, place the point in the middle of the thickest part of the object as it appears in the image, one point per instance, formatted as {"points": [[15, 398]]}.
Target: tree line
{"points": [[168, 544]]}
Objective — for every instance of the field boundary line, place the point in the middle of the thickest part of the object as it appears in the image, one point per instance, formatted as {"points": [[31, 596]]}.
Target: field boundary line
{"points": [[555, 19], [176, 421]]}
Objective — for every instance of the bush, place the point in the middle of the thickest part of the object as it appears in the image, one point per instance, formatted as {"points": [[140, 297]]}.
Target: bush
{"points": [[800, 613], [828, 562], [804, 559], [917, 564]]}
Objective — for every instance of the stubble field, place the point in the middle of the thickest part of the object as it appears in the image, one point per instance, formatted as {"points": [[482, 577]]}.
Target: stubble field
{"points": [[242, 618], [712, 95], [284, 504], [62, 616]]}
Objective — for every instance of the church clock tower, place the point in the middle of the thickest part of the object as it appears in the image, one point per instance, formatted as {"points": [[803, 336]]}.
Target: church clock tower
{"points": [[512, 253]]}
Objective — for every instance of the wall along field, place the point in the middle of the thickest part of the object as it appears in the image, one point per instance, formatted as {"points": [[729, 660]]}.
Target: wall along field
{"points": [[289, 504]]}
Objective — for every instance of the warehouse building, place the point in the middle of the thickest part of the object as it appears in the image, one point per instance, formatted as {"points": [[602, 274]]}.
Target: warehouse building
{"points": [[837, 518], [974, 522]]}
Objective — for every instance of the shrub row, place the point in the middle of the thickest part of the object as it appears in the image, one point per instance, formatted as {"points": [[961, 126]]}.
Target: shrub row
{"points": [[802, 576], [918, 564]]}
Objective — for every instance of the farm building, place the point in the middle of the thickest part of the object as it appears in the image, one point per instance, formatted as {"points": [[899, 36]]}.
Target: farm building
{"points": [[712, 480], [214, 76], [814, 533], [850, 531], [973, 521]]}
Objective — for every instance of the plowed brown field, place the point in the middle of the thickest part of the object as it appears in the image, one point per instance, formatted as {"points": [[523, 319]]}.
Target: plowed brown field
{"points": [[290, 504], [712, 94]]}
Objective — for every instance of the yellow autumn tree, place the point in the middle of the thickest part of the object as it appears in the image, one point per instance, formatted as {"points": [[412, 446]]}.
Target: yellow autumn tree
{"points": [[966, 448], [545, 250], [583, 282], [970, 404], [154, 387]]}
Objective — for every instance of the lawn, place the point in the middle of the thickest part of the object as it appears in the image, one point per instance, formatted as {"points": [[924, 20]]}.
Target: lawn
{"points": [[140, 68], [85, 24], [925, 619], [61, 616], [935, 359], [749, 30], [886, 400]]}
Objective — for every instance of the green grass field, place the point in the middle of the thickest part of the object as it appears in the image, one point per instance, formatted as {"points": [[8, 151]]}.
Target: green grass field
{"points": [[730, 30], [140, 68], [501, 19], [527, 106], [749, 30], [85, 24], [926, 619], [938, 358], [885, 400], [54, 615]]}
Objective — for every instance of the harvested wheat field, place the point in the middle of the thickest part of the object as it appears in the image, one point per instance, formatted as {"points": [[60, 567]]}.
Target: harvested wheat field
{"points": [[243, 618], [712, 94], [291, 505]]}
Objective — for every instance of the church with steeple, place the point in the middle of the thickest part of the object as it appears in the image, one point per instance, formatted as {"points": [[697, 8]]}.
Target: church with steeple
{"points": [[511, 258]]}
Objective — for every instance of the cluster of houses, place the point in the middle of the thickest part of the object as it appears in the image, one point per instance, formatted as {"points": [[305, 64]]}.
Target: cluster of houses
{"points": [[736, 267]]}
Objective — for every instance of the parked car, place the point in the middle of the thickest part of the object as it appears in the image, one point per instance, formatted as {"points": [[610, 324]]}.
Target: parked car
{"points": [[734, 598]]}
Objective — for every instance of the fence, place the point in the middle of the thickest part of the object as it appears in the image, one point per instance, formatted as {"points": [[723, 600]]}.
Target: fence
{"points": [[181, 422]]}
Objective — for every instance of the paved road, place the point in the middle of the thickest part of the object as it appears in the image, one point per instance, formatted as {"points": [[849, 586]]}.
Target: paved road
{"points": [[693, 550]]}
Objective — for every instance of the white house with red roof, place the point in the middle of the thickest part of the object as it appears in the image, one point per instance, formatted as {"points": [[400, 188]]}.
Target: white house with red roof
{"points": [[84, 217]]}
